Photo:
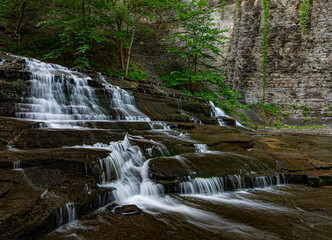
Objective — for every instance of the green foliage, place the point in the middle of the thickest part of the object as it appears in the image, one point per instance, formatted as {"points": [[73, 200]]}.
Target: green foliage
{"points": [[278, 124], [80, 23], [307, 127], [227, 99], [243, 118], [265, 44], [222, 7], [304, 15], [237, 7], [294, 106], [196, 45], [198, 42], [269, 109], [133, 73]]}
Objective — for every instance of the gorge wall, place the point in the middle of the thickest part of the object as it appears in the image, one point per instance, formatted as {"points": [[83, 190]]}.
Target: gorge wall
{"points": [[299, 71]]}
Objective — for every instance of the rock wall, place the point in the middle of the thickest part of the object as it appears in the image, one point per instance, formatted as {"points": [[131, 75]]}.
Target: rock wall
{"points": [[299, 71]]}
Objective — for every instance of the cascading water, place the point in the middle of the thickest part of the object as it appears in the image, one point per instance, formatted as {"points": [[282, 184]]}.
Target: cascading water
{"points": [[217, 112], [201, 147], [123, 103], [126, 170], [66, 214], [17, 164], [216, 185], [58, 94]]}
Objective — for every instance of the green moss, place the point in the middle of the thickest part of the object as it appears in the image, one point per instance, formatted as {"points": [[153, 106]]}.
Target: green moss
{"points": [[237, 7], [265, 43], [222, 7], [294, 106], [304, 16]]}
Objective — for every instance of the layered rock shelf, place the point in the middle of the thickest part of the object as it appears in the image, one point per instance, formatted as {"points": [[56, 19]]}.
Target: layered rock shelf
{"points": [[46, 172]]}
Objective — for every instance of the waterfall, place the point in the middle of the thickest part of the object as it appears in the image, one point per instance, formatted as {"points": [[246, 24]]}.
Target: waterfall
{"points": [[17, 164], [66, 214], [123, 103], [60, 97], [126, 170], [57, 93], [217, 112], [216, 185], [201, 147]]}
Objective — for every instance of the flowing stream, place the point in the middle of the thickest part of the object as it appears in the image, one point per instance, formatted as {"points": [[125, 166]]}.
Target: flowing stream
{"points": [[59, 96]]}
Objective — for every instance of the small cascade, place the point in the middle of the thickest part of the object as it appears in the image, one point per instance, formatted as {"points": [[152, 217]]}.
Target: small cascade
{"points": [[161, 126], [66, 214], [126, 170], [216, 185], [11, 148], [203, 186], [201, 147], [179, 104], [2, 62], [195, 120], [123, 103], [59, 94], [217, 112], [17, 164]]}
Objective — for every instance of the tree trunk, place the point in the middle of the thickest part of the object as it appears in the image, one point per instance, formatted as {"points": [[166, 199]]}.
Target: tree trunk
{"points": [[129, 51], [121, 50], [19, 22]]}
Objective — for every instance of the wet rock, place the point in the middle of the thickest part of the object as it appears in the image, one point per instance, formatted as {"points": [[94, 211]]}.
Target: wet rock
{"points": [[128, 210], [296, 178], [30, 208], [169, 233], [210, 164], [71, 160], [56, 138]]}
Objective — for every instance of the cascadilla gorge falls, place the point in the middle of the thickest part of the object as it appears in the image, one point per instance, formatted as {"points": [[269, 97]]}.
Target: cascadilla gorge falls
{"points": [[87, 156]]}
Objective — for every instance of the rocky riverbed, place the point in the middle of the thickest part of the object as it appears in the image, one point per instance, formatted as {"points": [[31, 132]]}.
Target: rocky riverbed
{"points": [[123, 142]]}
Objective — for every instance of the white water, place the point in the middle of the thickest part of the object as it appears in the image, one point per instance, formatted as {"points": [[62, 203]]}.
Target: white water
{"points": [[201, 147], [17, 165], [217, 112], [57, 93], [66, 214], [62, 97], [124, 103], [215, 185]]}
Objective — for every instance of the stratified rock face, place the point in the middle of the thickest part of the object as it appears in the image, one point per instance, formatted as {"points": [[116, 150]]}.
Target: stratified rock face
{"points": [[299, 70]]}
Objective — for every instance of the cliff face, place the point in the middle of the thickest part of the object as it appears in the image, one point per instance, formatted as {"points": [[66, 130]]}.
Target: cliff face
{"points": [[299, 71]]}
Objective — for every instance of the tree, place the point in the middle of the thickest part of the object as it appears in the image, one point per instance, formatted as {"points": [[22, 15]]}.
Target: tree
{"points": [[197, 45], [199, 42], [127, 16], [80, 23]]}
